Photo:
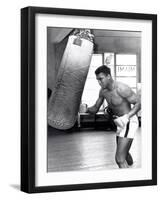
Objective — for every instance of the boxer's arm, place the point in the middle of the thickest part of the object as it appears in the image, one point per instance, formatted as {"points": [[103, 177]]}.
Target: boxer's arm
{"points": [[95, 108], [127, 93]]}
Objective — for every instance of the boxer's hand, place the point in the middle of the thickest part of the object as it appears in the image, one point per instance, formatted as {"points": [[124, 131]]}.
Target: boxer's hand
{"points": [[121, 121]]}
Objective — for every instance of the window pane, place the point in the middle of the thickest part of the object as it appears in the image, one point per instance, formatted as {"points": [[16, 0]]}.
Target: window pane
{"points": [[109, 58], [96, 60], [90, 97], [131, 82], [109, 61], [91, 73], [91, 88], [126, 70], [125, 59], [92, 84]]}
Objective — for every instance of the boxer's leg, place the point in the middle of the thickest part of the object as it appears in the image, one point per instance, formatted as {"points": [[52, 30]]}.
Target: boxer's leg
{"points": [[123, 146], [129, 158]]}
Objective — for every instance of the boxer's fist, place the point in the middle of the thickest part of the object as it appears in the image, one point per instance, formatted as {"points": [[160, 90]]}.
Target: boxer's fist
{"points": [[121, 121]]}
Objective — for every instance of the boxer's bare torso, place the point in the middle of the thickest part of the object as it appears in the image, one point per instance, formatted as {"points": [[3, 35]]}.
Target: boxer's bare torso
{"points": [[118, 102], [119, 97]]}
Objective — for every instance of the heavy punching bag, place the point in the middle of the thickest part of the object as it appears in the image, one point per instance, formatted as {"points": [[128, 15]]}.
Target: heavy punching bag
{"points": [[63, 105]]}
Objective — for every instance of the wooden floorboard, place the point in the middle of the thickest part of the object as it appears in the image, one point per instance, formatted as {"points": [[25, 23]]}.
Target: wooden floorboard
{"points": [[86, 150]]}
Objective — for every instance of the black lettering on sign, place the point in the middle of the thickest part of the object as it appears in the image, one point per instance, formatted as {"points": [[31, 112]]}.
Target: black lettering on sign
{"points": [[126, 68]]}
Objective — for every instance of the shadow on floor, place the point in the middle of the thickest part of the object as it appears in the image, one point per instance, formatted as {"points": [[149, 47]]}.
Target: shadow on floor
{"points": [[15, 186]]}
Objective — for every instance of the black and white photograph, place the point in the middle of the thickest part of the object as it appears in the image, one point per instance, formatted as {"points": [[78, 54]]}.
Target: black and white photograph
{"points": [[94, 99], [89, 91]]}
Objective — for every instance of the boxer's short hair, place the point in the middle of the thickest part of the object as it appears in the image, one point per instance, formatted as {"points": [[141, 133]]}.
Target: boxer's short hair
{"points": [[103, 69]]}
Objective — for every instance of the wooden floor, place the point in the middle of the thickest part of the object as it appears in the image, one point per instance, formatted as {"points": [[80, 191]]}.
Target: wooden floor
{"points": [[86, 150]]}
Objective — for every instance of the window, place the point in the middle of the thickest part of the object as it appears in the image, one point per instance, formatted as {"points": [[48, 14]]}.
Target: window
{"points": [[123, 68], [126, 69], [91, 88], [109, 61]]}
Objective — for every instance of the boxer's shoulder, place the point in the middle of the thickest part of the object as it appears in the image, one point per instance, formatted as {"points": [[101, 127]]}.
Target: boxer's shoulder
{"points": [[123, 89]]}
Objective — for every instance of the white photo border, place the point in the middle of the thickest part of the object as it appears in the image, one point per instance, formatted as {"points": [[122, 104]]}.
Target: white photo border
{"points": [[42, 177]]}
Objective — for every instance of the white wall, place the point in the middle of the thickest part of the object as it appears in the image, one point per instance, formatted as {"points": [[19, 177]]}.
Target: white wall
{"points": [[10, 99]]}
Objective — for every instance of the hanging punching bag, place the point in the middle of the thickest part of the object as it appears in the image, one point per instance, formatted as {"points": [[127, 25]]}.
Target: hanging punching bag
{"points": [[63, 105]]}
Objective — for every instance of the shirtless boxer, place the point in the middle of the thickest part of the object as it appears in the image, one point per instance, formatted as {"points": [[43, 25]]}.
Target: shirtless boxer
{"points": [[119, 97]]}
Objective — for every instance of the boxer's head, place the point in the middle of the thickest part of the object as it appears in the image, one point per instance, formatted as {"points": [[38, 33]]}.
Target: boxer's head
{"points": [[103, 75]]}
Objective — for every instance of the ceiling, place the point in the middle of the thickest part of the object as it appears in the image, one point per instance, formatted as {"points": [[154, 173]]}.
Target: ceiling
{"points": [[58, 34]]}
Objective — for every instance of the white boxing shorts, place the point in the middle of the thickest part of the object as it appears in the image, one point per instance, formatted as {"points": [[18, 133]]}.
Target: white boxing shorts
{"points": [[130, 129]]}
